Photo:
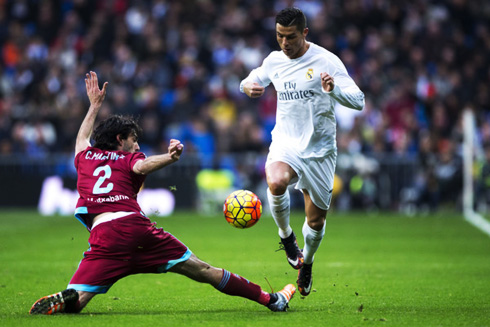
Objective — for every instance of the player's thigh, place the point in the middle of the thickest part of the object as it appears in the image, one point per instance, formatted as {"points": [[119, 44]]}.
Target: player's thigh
{"points": [[316, 181], [279, 174]]}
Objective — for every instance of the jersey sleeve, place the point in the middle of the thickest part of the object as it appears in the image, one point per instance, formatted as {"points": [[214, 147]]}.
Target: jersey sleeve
{"points": [[135, 157], [76, 161], [258, 75], [345, 91]]}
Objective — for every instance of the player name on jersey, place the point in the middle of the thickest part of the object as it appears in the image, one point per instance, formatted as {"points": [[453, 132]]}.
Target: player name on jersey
{"points": [[103, 156]]}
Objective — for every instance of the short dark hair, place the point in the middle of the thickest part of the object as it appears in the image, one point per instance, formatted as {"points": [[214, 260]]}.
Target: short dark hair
{"points": [[106, 132], [292, 17]]}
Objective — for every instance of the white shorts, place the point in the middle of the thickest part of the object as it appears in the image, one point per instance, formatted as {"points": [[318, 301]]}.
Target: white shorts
{"points": [[316, 175]]}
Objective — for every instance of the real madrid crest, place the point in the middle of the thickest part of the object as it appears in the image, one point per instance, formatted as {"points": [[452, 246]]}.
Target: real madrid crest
{"points": [[309, 74]]}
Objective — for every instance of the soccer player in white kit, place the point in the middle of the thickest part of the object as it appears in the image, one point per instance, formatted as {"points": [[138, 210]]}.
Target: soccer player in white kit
{"points": [[309, 80]]}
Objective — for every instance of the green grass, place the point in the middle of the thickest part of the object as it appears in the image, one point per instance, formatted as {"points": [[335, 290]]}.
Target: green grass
{"points": [[371, 270]]}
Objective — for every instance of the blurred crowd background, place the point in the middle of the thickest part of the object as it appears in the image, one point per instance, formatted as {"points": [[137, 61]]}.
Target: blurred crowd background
{"points": [[177, 65]]}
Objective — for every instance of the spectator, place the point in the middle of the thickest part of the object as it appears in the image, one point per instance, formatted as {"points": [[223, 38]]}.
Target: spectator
{"points": [[419, 63]]}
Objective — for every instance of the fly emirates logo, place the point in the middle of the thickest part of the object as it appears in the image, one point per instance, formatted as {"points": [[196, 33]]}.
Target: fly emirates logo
{"points": [[290, 93]]}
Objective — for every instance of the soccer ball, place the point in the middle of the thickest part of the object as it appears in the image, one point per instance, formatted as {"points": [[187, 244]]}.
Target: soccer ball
{"points": [[242, 209]]}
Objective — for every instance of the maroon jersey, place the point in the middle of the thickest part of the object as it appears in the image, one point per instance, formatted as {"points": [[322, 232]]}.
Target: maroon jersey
{"points": [[106, 182]]}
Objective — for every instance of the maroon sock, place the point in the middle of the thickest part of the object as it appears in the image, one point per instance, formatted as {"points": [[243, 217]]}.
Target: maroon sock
{"points": [[236, 285]]}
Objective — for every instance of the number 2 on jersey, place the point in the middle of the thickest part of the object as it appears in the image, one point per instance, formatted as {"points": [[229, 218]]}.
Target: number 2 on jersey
{"points": [[106, 173]]}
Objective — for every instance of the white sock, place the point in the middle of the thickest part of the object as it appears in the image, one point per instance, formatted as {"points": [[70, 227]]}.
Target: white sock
{"points": [[279, 205], [313, 239]]}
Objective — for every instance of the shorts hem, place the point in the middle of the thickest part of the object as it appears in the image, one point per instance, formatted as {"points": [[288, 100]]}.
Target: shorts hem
{"points": [[164, 268], [90, 288]]}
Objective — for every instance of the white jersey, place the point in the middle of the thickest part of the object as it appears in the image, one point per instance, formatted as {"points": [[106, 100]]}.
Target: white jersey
{"points": [[305, 117]]}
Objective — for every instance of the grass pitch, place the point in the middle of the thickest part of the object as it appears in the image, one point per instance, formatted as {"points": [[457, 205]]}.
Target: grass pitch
{"points": [[371, 270]]}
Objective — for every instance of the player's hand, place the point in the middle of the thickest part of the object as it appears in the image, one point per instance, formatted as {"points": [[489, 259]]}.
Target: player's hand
{"points": [[327, 82], [253, 90], [95, 95], [175, 149]]}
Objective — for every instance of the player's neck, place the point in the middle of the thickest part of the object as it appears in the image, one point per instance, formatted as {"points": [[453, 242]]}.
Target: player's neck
{"points": [[303, 50]]}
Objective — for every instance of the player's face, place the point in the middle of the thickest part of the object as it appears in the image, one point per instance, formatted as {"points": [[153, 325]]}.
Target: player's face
{"points": [[130, 144], [291, 40]]}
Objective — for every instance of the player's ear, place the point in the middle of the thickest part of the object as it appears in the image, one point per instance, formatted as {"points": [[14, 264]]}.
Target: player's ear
{"points": [[305, 31], [119, 139]]}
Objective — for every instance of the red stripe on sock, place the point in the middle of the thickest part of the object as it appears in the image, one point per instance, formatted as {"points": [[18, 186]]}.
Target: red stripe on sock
{"points": [[239, 286]]}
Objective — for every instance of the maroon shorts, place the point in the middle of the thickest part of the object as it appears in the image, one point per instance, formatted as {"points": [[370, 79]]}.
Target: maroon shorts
{"points": [[126, 246]]}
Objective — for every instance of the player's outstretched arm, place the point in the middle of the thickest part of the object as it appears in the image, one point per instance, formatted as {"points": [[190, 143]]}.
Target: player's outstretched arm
{"points": [[152, 163], [96, 97]]}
